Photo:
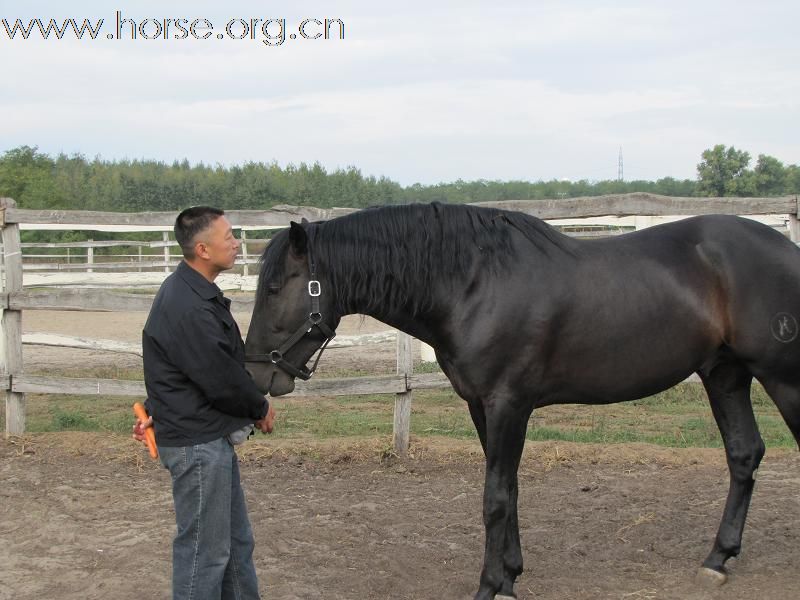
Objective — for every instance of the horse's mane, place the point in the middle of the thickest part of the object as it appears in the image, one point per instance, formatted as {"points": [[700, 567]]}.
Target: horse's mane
{"points": [[396, 255]]}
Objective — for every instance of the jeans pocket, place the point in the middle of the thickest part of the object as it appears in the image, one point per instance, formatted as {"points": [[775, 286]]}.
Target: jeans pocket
{"points": [[176, 459]]}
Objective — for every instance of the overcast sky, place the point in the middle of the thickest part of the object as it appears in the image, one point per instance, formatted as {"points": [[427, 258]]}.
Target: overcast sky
{"points": [[416, 91]]}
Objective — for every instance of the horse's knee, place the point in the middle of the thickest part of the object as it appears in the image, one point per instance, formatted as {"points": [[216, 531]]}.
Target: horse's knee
{"points": [[495, 506], [744, 459]]}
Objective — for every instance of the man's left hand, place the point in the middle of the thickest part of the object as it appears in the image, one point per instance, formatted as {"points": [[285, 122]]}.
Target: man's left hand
{"points": [[266, 424]]}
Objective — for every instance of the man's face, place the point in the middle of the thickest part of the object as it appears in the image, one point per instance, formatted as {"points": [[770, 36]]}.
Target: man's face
{"points": [[218, 245]]}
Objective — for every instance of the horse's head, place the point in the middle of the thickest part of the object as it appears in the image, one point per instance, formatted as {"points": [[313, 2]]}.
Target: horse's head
{"points": [[293, 315]]}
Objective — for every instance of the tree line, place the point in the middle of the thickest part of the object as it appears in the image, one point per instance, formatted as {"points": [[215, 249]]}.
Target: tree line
{"points": [[39, 181]]}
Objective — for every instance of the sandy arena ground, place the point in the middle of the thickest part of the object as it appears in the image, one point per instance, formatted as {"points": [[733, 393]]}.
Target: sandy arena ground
{"points": [[89, 516]]}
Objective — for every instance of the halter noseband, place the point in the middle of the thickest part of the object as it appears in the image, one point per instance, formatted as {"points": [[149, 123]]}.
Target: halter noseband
{"points": [[314, 319]]}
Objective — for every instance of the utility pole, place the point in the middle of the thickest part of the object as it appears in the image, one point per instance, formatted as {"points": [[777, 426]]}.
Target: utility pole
{"points": [[619, 165]]}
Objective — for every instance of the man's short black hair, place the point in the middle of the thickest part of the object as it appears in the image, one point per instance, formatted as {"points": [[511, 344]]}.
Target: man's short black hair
{"points": [[192, 221]]}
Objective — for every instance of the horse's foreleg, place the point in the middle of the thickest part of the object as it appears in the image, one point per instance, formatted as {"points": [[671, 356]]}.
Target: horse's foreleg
{"points": [[502, 561], [728, 387], [512, 558]]}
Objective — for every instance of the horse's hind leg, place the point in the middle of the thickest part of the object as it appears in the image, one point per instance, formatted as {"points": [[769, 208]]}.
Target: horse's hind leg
{"points": [[728, 387], [787, 398]]}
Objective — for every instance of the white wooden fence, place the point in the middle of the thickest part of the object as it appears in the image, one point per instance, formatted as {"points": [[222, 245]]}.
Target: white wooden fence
{"points": [[15, 298], [81, 256]]}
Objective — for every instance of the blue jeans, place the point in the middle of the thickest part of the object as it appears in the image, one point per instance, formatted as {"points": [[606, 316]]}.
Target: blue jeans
{"points": [[212, 554]]}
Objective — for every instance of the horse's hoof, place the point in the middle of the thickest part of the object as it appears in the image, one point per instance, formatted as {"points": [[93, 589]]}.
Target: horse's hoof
{"points": [[711, 577]]}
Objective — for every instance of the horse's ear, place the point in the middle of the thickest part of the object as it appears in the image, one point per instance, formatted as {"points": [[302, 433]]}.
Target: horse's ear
{"points": [[303, 221], [298, 239]]}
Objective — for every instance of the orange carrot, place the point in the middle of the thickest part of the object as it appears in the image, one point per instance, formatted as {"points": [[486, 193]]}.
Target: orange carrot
{"points": [[149, 435]]}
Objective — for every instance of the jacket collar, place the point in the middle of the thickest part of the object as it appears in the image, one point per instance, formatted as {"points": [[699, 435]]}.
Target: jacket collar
{"points": [[202, 286]]}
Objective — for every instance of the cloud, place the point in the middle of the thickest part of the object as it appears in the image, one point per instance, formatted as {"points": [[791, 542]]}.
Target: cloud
{"points": [[425, 91]]}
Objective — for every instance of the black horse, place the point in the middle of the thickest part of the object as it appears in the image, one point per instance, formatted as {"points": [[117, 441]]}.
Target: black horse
{"points": [[522, 316]]}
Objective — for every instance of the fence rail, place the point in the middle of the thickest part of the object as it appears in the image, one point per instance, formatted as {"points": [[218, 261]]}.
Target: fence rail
{"points": [[85, 261], [14, 298], [618, 206], [69, 341], [615, 205]]}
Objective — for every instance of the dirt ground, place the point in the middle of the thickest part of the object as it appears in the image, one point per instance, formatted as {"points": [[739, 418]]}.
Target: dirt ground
{"points": [[89, 516]]}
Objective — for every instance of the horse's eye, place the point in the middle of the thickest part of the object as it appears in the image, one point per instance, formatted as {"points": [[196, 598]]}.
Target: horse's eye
{"points": [[273, 289]]}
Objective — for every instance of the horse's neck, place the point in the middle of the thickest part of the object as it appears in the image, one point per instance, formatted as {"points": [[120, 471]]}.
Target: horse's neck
{"points": [[400, 317], [411, 305]]}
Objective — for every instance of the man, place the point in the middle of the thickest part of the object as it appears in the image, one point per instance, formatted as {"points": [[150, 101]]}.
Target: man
{"points": [[199, 398]]}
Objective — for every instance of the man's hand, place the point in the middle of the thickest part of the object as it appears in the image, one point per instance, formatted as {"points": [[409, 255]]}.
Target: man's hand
{"points": [[266, 424], [139, 427]]}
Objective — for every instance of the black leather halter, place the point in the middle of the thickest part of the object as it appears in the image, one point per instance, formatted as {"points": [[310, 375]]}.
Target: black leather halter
{"points": [[314, 320]]}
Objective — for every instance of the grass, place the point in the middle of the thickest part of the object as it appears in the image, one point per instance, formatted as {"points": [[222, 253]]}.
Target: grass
{"points": [[679, 417]]}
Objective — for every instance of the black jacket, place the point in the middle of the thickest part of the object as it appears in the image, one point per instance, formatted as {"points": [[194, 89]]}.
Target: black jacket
{"points": [[197, 387]]}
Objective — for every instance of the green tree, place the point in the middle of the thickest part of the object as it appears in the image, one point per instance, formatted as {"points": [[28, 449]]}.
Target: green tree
{"points": [[26, 175], [669, 186], [722, 172], [792, 180], [35, 180], [770, 176]]}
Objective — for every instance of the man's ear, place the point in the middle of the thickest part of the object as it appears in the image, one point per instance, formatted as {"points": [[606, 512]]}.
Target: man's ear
{"points": [[200, 250], [298, 239]]}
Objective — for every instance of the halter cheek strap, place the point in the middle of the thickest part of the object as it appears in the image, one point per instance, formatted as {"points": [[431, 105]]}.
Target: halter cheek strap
{"points": [[314, 319]]}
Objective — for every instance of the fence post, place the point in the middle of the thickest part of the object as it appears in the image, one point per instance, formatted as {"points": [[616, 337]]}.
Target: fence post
{"points": [[245, 271], [794, 223], [11, 322], [402, 401], [165, 237], [90, 256]]}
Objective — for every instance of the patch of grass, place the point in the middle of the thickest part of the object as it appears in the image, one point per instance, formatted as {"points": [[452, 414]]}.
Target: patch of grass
{"points": [[427, 367], [57, 412], [679, 417], [346, 416], [339, 372], [451, 424], [71, 421]]}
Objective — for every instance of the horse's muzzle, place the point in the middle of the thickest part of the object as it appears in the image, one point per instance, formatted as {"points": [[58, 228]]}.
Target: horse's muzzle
{"points": [[270, 379]]}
